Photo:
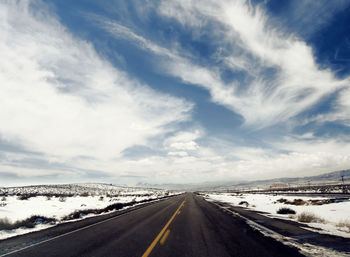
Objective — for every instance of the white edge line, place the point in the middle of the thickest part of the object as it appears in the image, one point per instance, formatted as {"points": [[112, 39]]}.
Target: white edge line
{"points": [[62, 235]]}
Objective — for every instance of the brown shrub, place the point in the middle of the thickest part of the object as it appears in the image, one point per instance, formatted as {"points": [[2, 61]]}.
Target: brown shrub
{"points": [[309, 217], [285, 211], [244, 202], [299, 202], [321, 202], [294, 202], [282, 200], [24, 196]]}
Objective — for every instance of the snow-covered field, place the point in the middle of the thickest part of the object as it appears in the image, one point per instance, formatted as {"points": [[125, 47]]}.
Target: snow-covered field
{"points": [[77, 189], [57, 201], [332, 218]]}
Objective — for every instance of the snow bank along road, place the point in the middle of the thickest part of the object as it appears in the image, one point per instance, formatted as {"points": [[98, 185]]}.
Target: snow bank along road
{"points": [[184, 225]]}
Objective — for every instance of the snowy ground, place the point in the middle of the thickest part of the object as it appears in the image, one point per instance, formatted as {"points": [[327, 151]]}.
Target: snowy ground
{"points": [[57, 201], [334, 218], [77, 189]]}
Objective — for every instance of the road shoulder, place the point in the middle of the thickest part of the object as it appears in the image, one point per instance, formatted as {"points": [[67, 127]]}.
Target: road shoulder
{"points": [[289, 232]]}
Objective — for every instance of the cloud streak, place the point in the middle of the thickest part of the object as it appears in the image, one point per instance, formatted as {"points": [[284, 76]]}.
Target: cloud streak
{"points": [[295, 85]]}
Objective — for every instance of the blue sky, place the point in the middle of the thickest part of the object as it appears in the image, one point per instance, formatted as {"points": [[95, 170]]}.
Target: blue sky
{"points": [[173, 91]]}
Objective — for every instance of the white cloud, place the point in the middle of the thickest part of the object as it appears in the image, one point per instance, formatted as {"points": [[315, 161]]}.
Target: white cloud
{"points": [[182, 153], [185, 141], [60, 98], [26, 172], [206, 164], [295, 164], [341, 112]]}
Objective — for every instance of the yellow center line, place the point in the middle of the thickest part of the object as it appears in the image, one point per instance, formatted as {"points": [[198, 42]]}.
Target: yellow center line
{"points": [[162, 241], [155, 241]]}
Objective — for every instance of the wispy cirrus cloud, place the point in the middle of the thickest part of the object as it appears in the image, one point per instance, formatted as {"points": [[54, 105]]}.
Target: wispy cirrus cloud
{"points": [[282, 76], [122, 32], [295, 82]]}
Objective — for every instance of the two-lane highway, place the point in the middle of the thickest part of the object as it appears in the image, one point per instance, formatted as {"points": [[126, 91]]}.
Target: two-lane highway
{"points": [[184, 225]]}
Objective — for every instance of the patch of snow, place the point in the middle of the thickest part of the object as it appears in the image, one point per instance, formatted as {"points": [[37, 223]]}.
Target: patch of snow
{"points": [[332, 213], [55, 208]]}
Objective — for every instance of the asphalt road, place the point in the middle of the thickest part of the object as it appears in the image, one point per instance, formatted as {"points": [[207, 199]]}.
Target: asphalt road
{"points": [[185, 225]]}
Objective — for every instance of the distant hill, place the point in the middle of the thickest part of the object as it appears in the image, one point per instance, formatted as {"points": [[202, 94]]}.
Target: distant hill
{"points": [[330, 177], [168, 186]]}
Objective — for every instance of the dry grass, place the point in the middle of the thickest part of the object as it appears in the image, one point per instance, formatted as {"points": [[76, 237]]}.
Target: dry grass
{"points": [[344, 225], [24, 196], [294, 202], [308, 217], [113, 207], [321, 202], [308, 202]]}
